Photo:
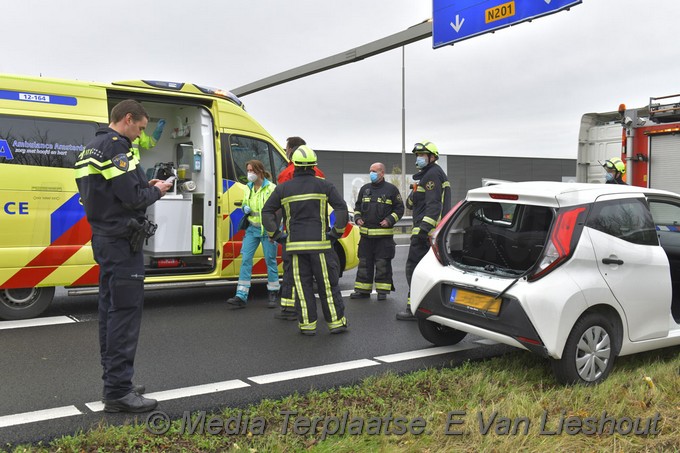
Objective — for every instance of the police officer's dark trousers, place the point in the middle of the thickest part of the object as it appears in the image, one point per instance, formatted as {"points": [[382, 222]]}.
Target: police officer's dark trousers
{"points": [[375, 259], [325, 269], [420, 245], [121, 299]]}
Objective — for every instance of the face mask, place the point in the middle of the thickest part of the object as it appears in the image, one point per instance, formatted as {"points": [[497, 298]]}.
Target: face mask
{"points": [[609, 176], [252, 177], [374, 176], [421, 161]]}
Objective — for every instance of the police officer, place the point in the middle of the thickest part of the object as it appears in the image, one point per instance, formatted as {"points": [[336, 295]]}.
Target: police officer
{"points": [[615, 169], [287, 285], [377, 209], [430, 199], [115, 194], [304, 201]]}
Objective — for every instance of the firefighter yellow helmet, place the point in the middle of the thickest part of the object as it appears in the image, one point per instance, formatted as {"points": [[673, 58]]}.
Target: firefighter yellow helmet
{"points": [[425, 146], [615, 164], [303, 156]]}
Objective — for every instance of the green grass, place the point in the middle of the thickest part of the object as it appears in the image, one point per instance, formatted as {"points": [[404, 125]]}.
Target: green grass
{"points": [[517, 385]]}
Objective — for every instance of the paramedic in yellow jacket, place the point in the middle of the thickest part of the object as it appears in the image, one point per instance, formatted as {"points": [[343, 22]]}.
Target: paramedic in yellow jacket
{"points": [[146, 141], [258, 190]]}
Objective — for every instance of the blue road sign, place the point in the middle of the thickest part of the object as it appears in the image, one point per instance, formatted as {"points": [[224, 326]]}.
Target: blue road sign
{"points": [[455, 20]]}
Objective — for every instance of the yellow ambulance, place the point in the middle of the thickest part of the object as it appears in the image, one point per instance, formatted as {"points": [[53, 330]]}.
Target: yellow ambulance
{"points": [[44, 235]]}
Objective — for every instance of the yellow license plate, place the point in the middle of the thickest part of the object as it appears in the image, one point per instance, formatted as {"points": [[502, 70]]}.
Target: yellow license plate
{"points": [[482, 302]]}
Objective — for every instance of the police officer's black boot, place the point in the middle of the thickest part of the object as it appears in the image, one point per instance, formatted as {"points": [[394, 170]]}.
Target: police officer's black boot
{"points": [[273, 299]]}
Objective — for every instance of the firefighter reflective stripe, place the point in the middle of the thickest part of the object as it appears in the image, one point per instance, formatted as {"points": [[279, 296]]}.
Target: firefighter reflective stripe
{"points": [[430, 220], [415, 230], [328, 289], [420, 189], [339, 323], [383, 286], [364, 286], [301, 246], [305, 324], [395, 216], [305, 197], [376, 231]]}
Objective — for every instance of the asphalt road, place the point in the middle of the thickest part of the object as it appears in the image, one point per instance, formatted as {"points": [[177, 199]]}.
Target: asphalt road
{"points": [[195, 354]]}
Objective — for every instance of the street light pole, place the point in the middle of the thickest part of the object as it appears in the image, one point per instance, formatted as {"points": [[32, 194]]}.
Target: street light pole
{"points": [[403, 121]]}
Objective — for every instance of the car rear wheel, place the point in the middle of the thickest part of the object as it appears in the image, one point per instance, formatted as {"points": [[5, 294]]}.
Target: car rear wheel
{"points": [[439, 335], [589, 354], [24, 303]]}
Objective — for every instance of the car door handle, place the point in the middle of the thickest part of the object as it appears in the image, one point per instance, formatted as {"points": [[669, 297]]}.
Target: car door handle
{"points": [[611, 261]]}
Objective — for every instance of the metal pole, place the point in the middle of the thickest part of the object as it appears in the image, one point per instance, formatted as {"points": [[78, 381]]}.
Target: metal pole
{"points": [[403, 122]]}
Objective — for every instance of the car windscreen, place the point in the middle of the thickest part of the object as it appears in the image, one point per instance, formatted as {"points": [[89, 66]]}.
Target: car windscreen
{"points": [[502, 238]]}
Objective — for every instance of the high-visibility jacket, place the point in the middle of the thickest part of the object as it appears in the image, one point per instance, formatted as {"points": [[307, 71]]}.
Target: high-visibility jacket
{"points": [[255, 200], [304, 201], [430, 200], [113, 188], [377, 202], [144, 141]]}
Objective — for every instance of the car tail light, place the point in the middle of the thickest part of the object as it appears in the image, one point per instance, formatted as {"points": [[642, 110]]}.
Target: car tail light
{"points": [[561, 243], [433, 238]]}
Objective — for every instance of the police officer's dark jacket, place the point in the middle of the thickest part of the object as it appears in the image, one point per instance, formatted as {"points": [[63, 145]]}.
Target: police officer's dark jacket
{"points": [[113, 188], [430, 200], [375, 202], [304, 201]]}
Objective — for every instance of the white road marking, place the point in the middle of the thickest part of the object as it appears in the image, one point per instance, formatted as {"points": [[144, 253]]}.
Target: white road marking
{"points": [[49, 321], [38, 416], [399, 357], [183, 392], [312, 371]]}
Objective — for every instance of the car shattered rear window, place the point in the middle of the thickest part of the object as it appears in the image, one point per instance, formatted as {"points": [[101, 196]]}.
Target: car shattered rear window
{"points": [[505, 239]]}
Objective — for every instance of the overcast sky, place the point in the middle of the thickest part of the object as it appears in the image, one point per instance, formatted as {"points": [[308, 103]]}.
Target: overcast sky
{"points": [[520, 91]]}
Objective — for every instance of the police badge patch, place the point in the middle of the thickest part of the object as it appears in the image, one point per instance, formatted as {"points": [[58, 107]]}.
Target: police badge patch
{"points": [[120, 162], [429, 185]]}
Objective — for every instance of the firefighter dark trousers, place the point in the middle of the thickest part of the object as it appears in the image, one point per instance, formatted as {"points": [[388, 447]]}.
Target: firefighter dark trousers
{"points": [[420, 245], [121, 299], [375, 258], [325, 269], [287, 283]]}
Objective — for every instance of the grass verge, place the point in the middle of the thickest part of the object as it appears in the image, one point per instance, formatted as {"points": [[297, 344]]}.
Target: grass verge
{"points": [[510, 403]]}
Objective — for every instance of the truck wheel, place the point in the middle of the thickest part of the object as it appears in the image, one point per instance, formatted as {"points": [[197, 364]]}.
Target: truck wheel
{"points": [[24, 303], [589, 353], [439, 335]]}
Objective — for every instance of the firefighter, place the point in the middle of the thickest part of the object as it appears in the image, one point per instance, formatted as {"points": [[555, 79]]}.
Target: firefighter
{"points": [[615, 169], [287, 286], [304, 201], [377, 209], [429, 199], [115, 194]]}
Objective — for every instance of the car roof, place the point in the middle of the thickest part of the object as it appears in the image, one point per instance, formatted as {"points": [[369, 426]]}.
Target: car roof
{"points": [[556, 194]]}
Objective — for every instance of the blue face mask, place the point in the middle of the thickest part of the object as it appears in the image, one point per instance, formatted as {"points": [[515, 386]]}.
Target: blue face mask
{"points": [[374, 176], [421, 161], [609, 176]]}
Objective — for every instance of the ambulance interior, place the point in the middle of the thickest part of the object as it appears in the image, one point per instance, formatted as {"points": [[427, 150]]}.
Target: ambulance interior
{"points": [[184, 241]]}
